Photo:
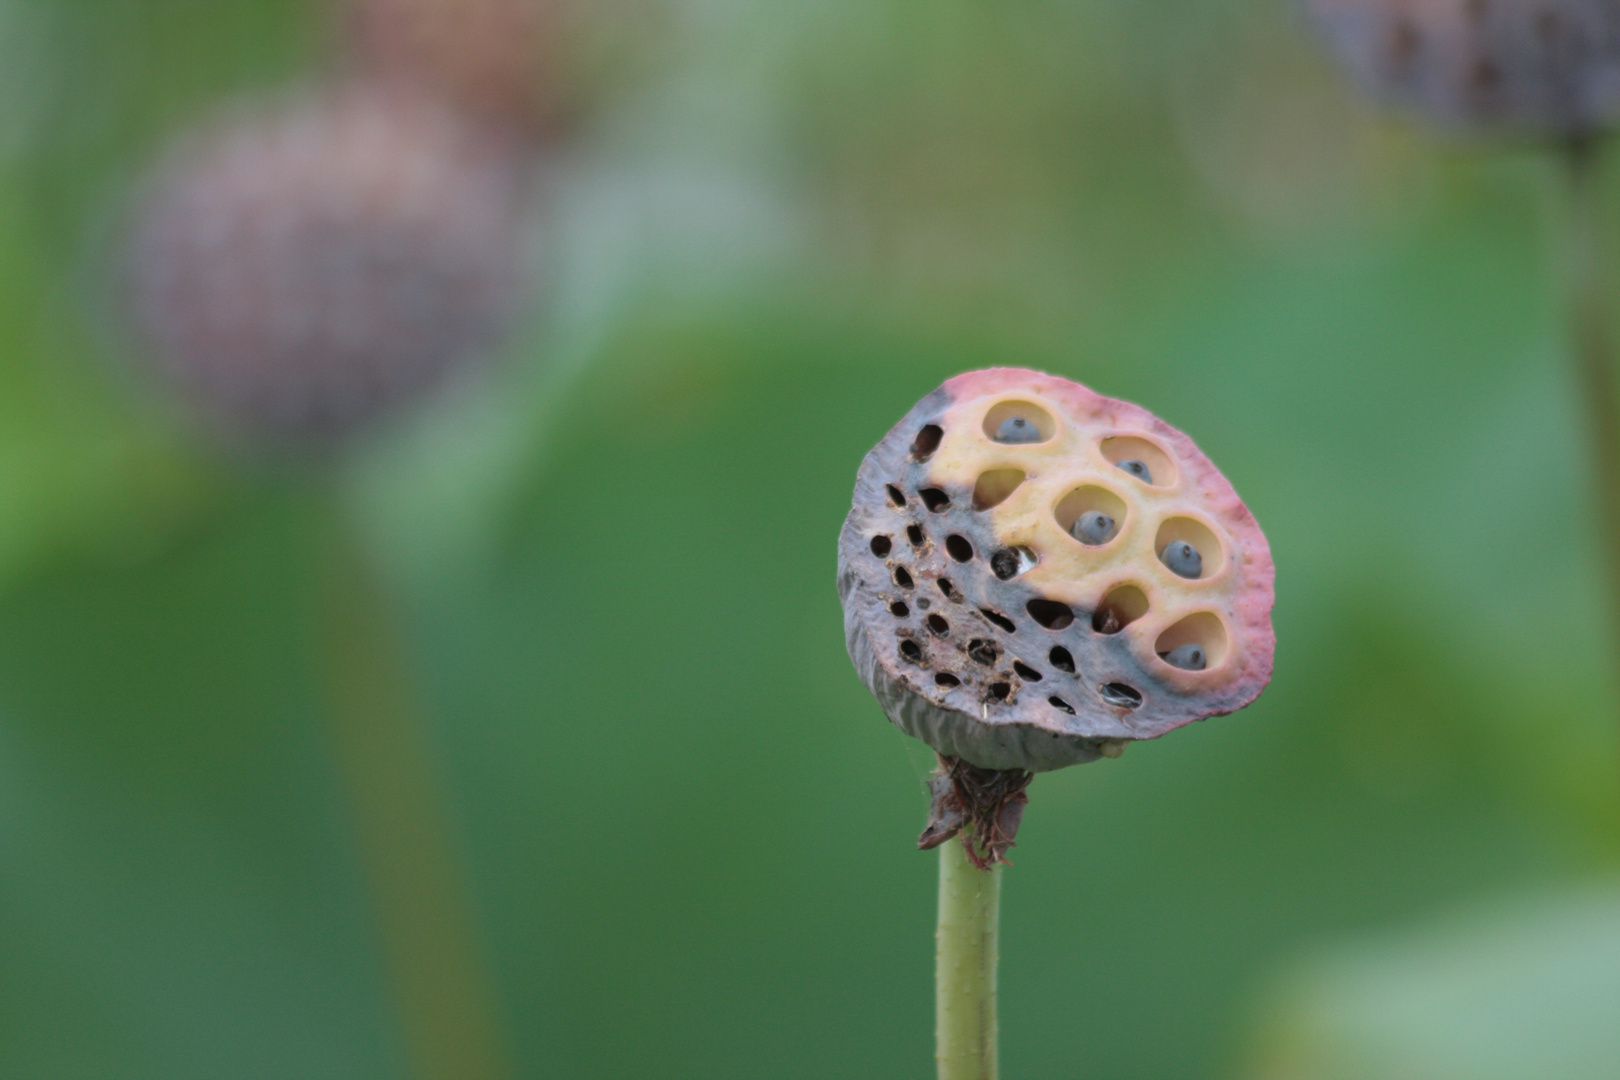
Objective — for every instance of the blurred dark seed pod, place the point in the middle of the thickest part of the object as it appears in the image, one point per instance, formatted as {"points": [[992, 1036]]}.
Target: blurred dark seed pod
{"points": [[1536, 66], [502, 61], [296, 269]]}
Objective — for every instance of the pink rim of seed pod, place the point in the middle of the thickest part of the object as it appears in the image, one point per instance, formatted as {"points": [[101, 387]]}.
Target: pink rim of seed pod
{"points": [[1535, 65], [995, 619], [299, 268]]}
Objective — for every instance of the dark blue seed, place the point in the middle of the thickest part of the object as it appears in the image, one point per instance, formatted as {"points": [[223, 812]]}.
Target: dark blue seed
{"points": [[1186, 657], [1015, 429], [1094, 527], [1182, 558], [1137, 469]]}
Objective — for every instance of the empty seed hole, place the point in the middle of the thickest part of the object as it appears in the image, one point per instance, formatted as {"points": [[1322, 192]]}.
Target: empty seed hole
{"points": [[1123, 605], [1008, 563], [1203, 629], [996, 422], [945, 678], [1061, 658], [911, 651], [935, 499], [1087, 500], [1000, 690], [1132, 448], [896, 496], [902, 578], [914, 533], [1050, 613], [983, 652], [881, 546], [994, 487], [899, 609], [948, 589], [1179, 530], [1119, 695], [938, 625], [999, 619], [1025, 672], [1059, 703], [958, 548], [926, 442]]}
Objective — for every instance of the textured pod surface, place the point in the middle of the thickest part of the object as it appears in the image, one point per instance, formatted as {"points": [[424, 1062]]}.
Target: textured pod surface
{"points": [[987, 630], [296, 270], [1536, 65]]}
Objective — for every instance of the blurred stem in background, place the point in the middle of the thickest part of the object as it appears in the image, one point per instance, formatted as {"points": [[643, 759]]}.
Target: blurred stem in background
{"points": [[965, 967], [441, 981], [1592, 345]]}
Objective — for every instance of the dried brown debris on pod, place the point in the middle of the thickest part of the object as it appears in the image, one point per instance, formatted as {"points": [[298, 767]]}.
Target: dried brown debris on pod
{"points": [[983, 806], [1549, 66], [299, 266], [1034, 575]]}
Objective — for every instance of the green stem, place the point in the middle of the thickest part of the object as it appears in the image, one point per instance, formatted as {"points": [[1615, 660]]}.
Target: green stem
{"points": [[1593, 351], [442, 984], [965, 967]]}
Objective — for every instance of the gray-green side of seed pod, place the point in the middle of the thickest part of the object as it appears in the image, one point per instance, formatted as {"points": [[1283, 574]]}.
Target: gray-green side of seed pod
{"points": [[989, 746]]}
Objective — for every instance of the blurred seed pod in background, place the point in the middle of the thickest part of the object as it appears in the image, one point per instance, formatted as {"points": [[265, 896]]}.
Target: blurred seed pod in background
{"points": [[1547, 66], [1282, 153], [297, 268], [504, 61]]}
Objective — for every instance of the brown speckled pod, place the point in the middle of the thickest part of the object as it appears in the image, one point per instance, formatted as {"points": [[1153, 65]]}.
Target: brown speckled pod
{"points": [[500, 60], [1550, 66], [987, 629], [295, 270]]}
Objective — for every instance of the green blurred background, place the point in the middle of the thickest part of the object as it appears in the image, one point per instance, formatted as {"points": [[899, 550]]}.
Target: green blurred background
{"points": [[683, 828]]}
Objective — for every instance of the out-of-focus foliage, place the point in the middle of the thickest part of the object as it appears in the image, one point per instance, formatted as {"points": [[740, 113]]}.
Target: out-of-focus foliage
{"points": [[1525, 988], [688, 827]]}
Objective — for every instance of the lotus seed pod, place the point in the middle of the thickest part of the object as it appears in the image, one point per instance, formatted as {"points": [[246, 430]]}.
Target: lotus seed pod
{"points": [[500, 60], [986, 629], [1536, 65], [298, 270]]}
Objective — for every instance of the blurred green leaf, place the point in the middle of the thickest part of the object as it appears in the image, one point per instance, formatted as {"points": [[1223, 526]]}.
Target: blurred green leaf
{"points": [[1524, 987]]}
